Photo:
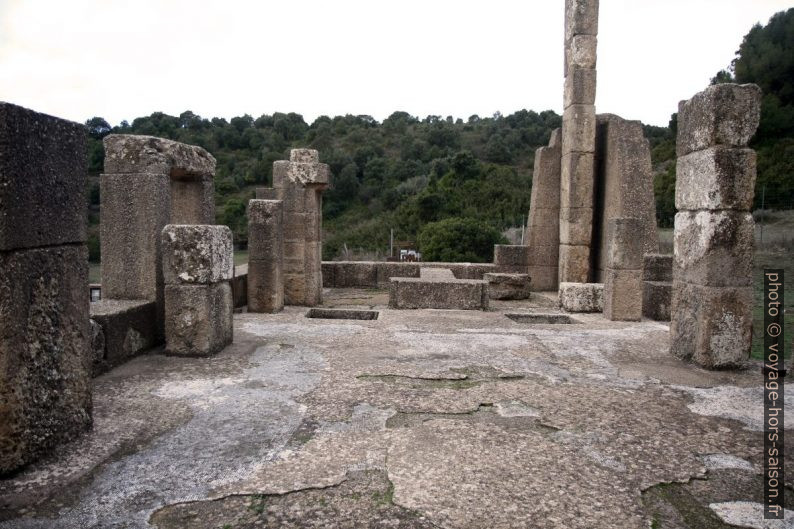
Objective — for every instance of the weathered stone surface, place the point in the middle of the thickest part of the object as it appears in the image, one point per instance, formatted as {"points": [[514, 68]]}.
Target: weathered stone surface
{"points": [[574, 264], [581, 297], [97, 347], [711, 326], [129, 328], [716, 178], [42, 179], [436, 274], [657, 300], [624, 247], [657, 267], [424, 293], [199, 318], [45, 351], [714, 248], [722, 114], [623, 295], [578, 129], [265, 290], [198, 254], [580, 87], [577, 182], [193, 201], [581, 18], [582, 53], [309, 174], [304, 156], [576, 226], [265, 230], [544, 278], [125, 153], [356, 275], [508, 286], [511, 256]]}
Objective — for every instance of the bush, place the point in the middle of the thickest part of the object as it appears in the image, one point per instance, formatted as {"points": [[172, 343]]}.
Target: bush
{"points": [[459, 240]]}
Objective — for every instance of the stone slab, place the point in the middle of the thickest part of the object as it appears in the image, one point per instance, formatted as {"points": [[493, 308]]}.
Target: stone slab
{"points": [[193, 201], [362, 274], [42, 179], [716, 178], [265, 286], [508, 286], [623, 295], [581, 18], [624, 247], [544, 278], [657, 300], [458, 294], [129, 328], [126, 153], [436, 274], [198, 318], [511, 255], [581, 297], [197, 254]]}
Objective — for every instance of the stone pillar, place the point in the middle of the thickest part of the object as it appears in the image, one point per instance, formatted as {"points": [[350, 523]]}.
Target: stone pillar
{"points": [[623, 276], [511, 258], [198, 265], [543, 227], [578, 141], [714, 230], [45, 337], [299, 184], [265, 256], [148, 182]]}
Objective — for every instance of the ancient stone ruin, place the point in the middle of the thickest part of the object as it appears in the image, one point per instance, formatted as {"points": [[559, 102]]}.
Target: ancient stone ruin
{"points": [[265, 291], [712, 300]]}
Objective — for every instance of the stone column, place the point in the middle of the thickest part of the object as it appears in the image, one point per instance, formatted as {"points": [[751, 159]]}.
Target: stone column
{"points": [[623, 276], [198, 264], [713, 242], [148, 182], [45, 337], [543, 227], [265, 256], [299, 183], [578, 141]]}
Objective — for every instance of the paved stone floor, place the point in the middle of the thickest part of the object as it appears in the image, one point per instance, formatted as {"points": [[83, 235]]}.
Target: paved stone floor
{"points": [[455, 419]]}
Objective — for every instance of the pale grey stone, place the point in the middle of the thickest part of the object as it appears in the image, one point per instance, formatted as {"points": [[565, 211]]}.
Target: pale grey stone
{"points": [[716, 178], [197, 254]]}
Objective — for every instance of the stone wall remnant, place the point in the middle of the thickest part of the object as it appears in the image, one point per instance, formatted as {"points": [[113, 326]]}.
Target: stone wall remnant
{"points": [[713, 241], [265, 256], [657, 286], [45, 334], [623, 281], [581, 297]]}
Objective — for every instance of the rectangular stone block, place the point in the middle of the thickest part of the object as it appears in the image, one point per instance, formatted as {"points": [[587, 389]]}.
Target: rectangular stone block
{"points": [[574, 264], [508, 286], [309, 174], [657, 267], [624, 247], [356, 275], [304, 156], [582, 53], [623, 295], [578, 129], [580, 87], [455, 294], [127, 153], [712, 326], [45, 351], [576, 226], [198, 318], [581, 18], [511, 255], [581, 297], [546, 178], [129, 328], [265, 286], [385, 271], [42, 179], [716, 178], [714, 248], [294, 288], [265, 232], [193, 200], [544, 278], [657, 300], [295, 250], [577, 183], [197, 254], [314, 274], [722, 114]]}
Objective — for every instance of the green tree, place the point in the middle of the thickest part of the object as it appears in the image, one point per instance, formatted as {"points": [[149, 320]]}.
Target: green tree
{"points": [[459, 240]]}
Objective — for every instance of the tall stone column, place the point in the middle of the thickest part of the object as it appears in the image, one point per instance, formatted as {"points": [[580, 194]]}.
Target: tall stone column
{"points": [[45, 338], [299, 184], [543, 226], [623, 275], [712, 305], [578, 141], [265, 256]]}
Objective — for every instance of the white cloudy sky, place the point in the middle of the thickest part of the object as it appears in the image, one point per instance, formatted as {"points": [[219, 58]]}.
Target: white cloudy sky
{"points": [[121, 59]]}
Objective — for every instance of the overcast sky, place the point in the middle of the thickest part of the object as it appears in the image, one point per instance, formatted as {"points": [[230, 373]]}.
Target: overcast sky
{"points": [[124, 59]]}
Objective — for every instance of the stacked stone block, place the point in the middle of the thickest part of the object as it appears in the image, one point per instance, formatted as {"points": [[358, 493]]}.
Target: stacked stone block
{"points": [[265, 256], [623, 276], [299, 184], [581, 297], [577, 177], [198, 265], [713, 240], [45, 336], [657, 286], [543, 226], [511, 259]]}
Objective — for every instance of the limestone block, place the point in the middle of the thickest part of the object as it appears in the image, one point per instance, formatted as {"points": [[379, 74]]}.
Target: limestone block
{"points": [[329, 274], [280, 170], [574, 264], [456, 294], [578, 129], [657, 267], [624, 247], [309, 174], [304, 156], [580, 87], [197, 254], [722, 114], [97, 348], [716, 178], [545, 256], [576, 226], [265, 232], [714, 248], [356, 274], [436, 274], [385, 271], [129, 328], [265, 286], [581, 18], [45, 351], [511, 255], [657, 300], [544, 278], [712, 326], [193, 200], [125, 153], [546, 178], [294, 288], [577, 181], [582, 53], [42, 179], [508, 286], [198, 318], [623, 295], [581, 297]]}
